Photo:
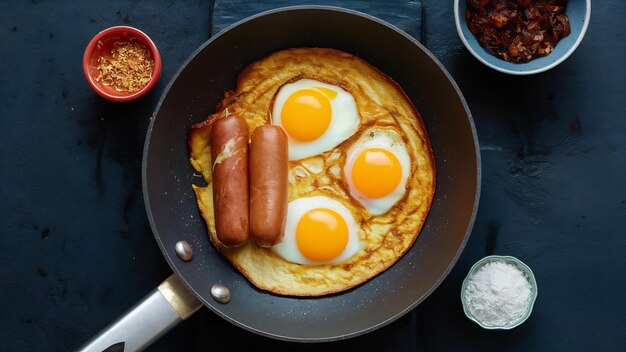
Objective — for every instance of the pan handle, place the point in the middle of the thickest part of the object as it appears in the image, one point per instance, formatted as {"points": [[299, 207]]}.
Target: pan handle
{"points": [[153, 316]]}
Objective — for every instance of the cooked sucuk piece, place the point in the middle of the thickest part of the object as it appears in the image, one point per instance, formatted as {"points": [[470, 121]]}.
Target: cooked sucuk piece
{"points": [[518, 30]]}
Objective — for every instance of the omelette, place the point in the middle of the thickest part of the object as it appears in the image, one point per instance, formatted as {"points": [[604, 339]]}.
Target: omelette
{"points": [[366, 164]]}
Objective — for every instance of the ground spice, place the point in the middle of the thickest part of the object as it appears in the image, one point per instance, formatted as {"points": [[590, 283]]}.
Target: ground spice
{"points": [[498, 294], [128, 69]]}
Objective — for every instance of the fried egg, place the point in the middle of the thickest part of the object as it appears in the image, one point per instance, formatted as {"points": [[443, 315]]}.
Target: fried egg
{"points": [[377, 169], [316, 116], [319, 230]]}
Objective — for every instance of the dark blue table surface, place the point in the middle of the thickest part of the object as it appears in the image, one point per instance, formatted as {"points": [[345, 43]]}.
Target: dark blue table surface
{"points": [[76, 249]]}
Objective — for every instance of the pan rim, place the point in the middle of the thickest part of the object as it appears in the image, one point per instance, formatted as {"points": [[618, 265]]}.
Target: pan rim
{"points": [[382, 323]]}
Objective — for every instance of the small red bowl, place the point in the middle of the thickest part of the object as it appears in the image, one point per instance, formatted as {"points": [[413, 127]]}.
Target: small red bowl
{"points": [[101, 45]]}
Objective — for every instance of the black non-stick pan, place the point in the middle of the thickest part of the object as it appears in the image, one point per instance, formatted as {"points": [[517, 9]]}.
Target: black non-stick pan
{"points": [[208, 279]]}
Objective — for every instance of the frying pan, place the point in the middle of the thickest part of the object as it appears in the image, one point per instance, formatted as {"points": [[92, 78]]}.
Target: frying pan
{"points": [[208, 279]]}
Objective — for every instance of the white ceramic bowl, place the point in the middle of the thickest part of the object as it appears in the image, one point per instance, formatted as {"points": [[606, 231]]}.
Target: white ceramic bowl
{"points": [[510, 260]]}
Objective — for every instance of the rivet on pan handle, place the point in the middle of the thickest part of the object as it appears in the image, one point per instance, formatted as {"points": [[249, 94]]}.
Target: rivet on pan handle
{"points": [[183, 250], [220, 293]]}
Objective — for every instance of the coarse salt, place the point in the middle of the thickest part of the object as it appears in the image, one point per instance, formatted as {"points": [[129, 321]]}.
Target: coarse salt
{"points": [[498, 294]]}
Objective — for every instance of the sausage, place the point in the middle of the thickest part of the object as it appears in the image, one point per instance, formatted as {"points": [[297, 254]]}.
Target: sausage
{"points": [[229, 155], [269, 164]]}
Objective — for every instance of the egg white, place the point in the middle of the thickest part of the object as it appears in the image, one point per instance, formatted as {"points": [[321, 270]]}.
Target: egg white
{"points": [[343, 123], [392, 142], [288, 247]]}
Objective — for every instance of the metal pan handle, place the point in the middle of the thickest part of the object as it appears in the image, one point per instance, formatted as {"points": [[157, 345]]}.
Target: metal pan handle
{"points": [[153, 316]]}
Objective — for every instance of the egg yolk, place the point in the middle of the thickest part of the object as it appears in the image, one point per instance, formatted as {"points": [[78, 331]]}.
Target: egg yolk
{"points": [[376, 172], [307, 112], [321, 234]]}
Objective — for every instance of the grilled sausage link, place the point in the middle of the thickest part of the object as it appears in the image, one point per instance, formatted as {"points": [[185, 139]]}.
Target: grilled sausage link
{"points": [[269, 164], [229, 155]]}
